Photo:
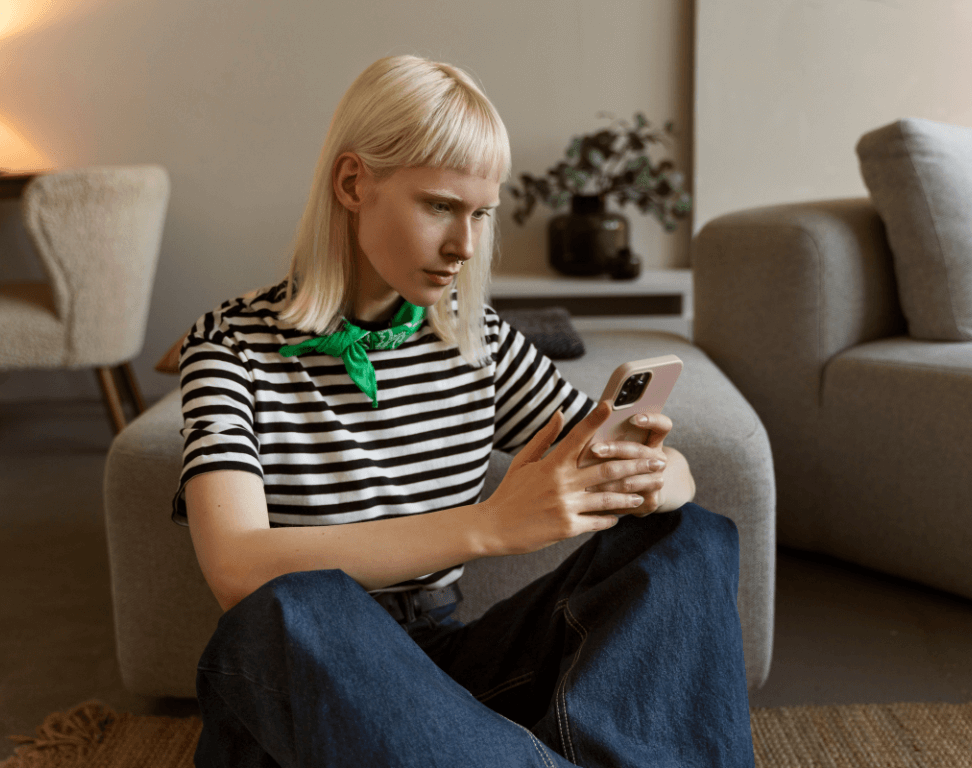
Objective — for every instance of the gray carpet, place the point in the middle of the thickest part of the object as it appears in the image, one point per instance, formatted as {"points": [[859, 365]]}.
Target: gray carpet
{"points": [[843, 634]]}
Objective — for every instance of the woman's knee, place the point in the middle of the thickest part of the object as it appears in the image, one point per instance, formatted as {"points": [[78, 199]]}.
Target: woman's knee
{"points": [[285, 604], [715, 538]]}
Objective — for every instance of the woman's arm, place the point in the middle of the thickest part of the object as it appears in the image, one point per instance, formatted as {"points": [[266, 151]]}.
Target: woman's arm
{"points": [[679, 485], [238, 552], [539, 502]]}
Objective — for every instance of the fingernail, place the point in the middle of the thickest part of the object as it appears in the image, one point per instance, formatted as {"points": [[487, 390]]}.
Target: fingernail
{"points": [[641, 420], [655, 465], [635, 501], [600, 449]]}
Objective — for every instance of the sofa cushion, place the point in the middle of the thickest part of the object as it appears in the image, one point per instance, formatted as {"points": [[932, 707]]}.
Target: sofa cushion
{"points": [[896, 460], [919, 174]]}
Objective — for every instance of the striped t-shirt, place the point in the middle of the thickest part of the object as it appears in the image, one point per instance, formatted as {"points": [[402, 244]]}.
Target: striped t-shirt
{"points": [[325, 455]]}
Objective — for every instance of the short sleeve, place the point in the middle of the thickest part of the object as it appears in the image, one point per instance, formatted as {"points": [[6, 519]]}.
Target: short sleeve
{"points": [[218, 410], [529, 390]]}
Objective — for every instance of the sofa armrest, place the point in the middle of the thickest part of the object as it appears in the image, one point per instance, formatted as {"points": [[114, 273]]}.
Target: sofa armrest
{"points": [[780, 290]]}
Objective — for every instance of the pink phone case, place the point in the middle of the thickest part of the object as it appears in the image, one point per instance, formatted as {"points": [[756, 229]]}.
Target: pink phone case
{"points": [[665, 371]]}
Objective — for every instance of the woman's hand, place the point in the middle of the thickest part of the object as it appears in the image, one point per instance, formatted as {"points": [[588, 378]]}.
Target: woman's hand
{"points": [[545, 499], [651, 484]]}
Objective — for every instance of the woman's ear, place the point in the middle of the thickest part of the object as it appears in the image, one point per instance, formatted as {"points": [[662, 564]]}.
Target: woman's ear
{"points": [[348, 179]]}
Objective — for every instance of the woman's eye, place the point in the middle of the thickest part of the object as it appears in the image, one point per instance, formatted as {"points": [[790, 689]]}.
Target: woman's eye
{"points": [[440, 207]]}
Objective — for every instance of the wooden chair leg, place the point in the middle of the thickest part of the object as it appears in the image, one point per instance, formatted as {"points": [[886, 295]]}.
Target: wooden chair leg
{"points": [[136, 395], [110, 394]]}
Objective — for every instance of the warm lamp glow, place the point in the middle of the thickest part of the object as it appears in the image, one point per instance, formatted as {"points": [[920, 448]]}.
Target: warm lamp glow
{"points": [[18, 16], [17, 154]]}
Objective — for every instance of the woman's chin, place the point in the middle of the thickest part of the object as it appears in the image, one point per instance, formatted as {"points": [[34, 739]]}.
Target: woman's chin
{"points": [[427, 296]]}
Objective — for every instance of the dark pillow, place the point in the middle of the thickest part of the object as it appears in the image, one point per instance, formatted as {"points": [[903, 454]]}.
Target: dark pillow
{"points": [[549, 330]]}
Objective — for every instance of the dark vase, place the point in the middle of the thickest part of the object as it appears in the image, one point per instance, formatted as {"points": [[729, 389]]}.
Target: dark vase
{"points": [[590, 241]]}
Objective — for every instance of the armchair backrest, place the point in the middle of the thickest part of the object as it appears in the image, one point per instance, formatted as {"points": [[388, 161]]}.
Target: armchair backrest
{"points": [[98, 232]]}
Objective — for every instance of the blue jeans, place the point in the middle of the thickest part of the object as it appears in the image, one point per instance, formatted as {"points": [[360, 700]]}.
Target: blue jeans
{"points": [[627, 654]]}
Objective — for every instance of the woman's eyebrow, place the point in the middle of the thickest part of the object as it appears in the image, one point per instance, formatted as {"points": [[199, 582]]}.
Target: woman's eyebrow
{"points": [[447, 195]]}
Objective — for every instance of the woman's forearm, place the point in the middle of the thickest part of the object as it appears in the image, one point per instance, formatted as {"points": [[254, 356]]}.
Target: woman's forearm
{"points": [[679, 485], [376, 553], [379, 553]]}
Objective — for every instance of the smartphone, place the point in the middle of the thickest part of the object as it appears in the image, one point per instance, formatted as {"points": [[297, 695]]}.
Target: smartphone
{"points": [[641, 386]]}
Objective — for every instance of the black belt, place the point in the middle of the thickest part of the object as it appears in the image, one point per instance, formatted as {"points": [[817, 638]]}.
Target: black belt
{"points": [[406, 606]]}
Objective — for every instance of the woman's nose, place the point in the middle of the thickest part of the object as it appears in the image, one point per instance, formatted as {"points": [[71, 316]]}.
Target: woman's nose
{"points": [[461, 240]]}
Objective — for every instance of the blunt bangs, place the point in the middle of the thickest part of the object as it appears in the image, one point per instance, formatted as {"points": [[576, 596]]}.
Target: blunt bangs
{"points": [[439, 119], [465, 136]]}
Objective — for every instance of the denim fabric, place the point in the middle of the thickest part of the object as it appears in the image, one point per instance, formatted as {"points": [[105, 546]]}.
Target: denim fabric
{"points": [[628, 654]]}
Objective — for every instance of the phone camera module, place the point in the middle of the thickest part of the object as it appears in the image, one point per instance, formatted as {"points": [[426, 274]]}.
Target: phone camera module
{"points": [[632, 389]]}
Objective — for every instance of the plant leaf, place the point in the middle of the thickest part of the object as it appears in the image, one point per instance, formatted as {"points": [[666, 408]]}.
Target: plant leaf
{"points": [[578, 178]]}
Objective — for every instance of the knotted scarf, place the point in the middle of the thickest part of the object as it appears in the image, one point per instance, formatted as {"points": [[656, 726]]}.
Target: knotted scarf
{"points": [[351, 344]]}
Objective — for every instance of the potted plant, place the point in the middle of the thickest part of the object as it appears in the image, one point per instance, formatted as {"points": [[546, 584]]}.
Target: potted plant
{"points": [[610, 164]]}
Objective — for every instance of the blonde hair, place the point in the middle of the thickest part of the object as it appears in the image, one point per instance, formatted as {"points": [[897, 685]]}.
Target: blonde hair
{"points": [[402, 111]]}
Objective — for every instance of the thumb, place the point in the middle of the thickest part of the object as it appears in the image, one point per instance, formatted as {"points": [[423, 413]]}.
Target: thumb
{"points": [[538, 445]]}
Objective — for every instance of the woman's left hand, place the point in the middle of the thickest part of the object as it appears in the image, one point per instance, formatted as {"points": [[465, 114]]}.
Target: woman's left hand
{"points": [[651, 486]]}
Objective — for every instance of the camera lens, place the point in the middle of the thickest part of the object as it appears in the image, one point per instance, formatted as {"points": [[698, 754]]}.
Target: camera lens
{"points": [[632, 389]]}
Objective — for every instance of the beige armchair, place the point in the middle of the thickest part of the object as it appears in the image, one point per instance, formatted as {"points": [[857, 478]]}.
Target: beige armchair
{"points": [[97, 232]]}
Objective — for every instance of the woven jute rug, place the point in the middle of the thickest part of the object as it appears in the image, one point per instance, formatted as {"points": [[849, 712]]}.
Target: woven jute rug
{"points": [[852, 736]]}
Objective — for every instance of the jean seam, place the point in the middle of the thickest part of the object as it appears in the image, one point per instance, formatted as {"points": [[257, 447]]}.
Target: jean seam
{"points": [[513, 682], [561, 694], [245, 677], [541, 749], [537, 744]]}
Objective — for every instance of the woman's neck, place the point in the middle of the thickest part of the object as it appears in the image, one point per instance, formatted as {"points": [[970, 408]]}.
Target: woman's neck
{"points": [[382, 321]]}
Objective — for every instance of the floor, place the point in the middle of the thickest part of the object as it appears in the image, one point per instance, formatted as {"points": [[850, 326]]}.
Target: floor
{"points": [[843, 634]]}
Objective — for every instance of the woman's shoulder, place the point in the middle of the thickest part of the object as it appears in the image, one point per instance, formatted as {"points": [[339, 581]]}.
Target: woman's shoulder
{"points": [[234, 320]]}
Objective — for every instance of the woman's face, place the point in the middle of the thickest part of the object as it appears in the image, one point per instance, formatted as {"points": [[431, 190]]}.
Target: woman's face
{"points": [[411, 227]]}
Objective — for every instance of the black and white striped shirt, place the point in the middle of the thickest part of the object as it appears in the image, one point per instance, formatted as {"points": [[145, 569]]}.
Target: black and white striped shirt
{"points": [[325, 455]]}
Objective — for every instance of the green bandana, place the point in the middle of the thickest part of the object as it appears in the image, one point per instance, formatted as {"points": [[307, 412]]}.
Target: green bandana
{"points": [[351, 343]]}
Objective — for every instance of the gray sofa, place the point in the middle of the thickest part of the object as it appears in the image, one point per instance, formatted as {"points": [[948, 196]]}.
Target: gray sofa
{"points": [[165, 613], [869, 427], [829, 317]]}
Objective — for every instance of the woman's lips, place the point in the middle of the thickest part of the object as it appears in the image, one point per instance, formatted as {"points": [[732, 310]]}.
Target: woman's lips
{"points": [[440, 278]]}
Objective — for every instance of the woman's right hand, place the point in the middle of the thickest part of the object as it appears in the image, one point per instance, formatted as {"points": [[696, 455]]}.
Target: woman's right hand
{"points": [[542, 499]]}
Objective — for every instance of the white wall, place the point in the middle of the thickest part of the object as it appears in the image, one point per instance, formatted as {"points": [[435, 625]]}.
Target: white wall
{"points": [[233, 97], [785, 88]]}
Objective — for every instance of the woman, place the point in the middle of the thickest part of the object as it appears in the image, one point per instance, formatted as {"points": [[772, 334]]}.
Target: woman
{"points": [[338, 428]]}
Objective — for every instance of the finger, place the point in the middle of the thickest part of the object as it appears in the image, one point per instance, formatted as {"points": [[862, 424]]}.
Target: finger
{"points": [[613, 471], [653, 500], [540, 442], [640, 484], [604, 501], [604, 521], [628, 449], [573, 444], [658, 423]]}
